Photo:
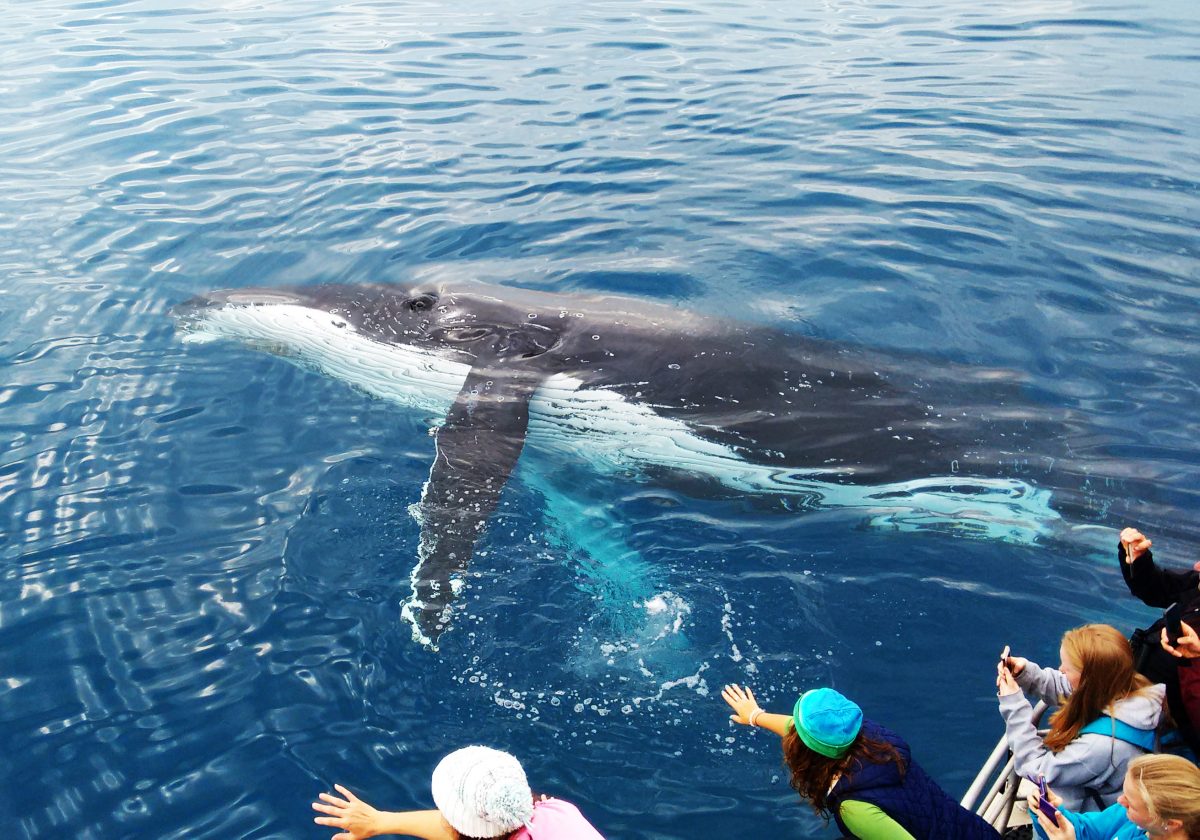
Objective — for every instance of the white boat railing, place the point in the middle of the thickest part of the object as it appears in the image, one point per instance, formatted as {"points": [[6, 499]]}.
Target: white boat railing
{"points": [[997, 804]]}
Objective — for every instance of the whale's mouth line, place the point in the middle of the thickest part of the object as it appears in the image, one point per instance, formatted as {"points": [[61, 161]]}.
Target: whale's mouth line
{"points": [[196, 317]]}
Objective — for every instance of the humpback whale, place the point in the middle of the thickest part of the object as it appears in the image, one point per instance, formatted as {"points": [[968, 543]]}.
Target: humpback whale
{"points": [[717, 404]]}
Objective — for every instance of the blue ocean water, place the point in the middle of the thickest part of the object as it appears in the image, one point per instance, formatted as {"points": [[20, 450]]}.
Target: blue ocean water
{"points": [[203, 549]]}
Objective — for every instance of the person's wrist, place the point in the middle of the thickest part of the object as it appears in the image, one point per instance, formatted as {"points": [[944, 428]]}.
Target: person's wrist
{"points": [[752, 718]]}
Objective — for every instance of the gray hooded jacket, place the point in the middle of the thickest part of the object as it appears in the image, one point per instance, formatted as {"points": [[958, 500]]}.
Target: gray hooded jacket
{"points": [[1091, 762]]}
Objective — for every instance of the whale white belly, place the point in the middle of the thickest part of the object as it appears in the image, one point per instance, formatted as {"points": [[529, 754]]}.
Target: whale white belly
{"points": [[563, 416], [567, 420]]}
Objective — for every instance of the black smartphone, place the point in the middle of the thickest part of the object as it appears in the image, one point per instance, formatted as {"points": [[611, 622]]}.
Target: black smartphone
{"points": [[1174, 620], [1044, 803], [1004, 658]]}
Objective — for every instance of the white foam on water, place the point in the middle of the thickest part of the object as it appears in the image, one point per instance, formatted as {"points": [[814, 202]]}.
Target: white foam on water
{"points": [[663, 618], [655, 605], [668, 611], [645, 674]]}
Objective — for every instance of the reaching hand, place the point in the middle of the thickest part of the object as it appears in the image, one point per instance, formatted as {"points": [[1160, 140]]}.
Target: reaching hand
{"points": [[1065, 830], [1033, 803], [742, 701], [1006, 684], [1188, 646], [1054, 798], [358, 818], [1135, 543]]}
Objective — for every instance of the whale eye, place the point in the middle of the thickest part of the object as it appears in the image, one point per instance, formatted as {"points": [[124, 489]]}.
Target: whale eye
{"points": [[421, 303]]}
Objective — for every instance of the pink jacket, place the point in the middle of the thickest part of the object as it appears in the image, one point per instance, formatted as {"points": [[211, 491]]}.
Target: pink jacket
{"points": [[554, 819]]}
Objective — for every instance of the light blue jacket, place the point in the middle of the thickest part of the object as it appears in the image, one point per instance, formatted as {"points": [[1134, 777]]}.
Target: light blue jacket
{"points": [[1109, 824]]}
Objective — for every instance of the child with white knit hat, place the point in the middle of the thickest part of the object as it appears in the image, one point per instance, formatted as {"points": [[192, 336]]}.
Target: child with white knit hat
{"points": [[480, 793]]}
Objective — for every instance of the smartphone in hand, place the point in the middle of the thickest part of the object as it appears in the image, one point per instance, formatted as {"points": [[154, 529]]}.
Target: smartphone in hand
{"points": [[1174, 620], [1004, 658], [1044, 803]]}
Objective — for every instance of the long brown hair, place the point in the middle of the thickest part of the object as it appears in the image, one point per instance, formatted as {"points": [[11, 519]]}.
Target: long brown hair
{"points": [[813, 773], [1105, 662]]}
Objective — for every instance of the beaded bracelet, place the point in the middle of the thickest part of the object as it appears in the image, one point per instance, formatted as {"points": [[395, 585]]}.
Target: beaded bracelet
{"points": [[754, 717]]}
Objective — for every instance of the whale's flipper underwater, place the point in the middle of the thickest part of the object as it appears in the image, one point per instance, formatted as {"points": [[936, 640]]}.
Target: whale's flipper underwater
{"points": [[624, 385]]}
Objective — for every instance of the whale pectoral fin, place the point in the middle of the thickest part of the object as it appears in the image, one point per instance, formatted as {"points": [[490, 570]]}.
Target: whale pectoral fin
{"points": [[476, 450]]}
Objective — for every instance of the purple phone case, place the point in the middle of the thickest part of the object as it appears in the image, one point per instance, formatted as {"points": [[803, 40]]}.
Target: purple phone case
{"points": [[1044, 803], [1049, 810]]}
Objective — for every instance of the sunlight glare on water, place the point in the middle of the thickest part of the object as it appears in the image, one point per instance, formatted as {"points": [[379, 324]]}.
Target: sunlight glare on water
{"points": [[203, 549]]}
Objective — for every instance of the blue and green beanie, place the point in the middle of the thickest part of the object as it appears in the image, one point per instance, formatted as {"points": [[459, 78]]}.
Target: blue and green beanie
{"points": [[827, 722]]}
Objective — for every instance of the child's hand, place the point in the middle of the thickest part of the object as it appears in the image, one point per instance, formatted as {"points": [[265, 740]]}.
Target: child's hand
{"points": [[742, 701], [1135, 543], [352, 814]]}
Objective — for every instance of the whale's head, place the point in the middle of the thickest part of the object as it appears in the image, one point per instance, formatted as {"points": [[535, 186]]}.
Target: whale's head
{"points": [[463, 325], [279, 315]]}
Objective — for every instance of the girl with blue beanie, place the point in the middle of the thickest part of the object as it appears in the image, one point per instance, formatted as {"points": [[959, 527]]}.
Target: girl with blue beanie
{"points": [[857, 772]]}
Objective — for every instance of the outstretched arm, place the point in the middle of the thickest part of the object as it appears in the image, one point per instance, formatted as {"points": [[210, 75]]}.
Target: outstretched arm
{"points": [[1047, 684], [747, 712], [360, 821], [1155, 587]]}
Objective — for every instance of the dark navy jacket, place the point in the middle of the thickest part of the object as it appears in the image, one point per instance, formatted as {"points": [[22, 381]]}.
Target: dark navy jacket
{"points": [[924, 810], [1157, 587]]}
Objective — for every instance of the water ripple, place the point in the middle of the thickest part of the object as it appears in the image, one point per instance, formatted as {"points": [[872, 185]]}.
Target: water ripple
{"points": [[202, 552]]}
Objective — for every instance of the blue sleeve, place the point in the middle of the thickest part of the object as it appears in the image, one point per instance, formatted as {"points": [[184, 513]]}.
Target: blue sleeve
{"points": [[1096, 826]]}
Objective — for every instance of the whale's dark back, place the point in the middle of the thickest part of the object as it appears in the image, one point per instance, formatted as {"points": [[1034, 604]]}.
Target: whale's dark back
{"points": [[857, 416]]}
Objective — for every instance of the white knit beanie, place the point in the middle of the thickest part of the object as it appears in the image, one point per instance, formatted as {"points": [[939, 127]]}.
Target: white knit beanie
{"points": [[482, 792]]}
